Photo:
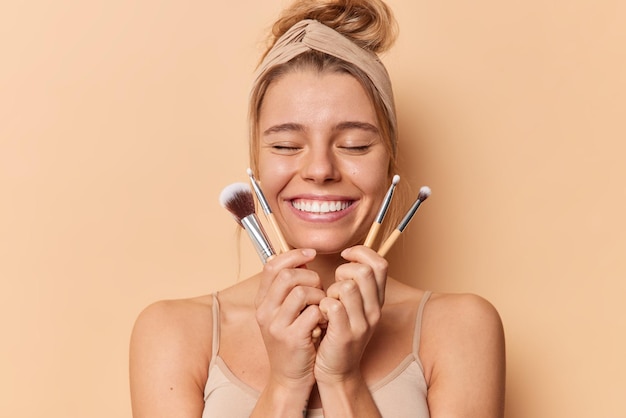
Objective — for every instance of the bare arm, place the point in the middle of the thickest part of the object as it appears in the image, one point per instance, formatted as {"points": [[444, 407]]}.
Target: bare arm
{"points": [[169, 355], [349, 398], [466, 357]]}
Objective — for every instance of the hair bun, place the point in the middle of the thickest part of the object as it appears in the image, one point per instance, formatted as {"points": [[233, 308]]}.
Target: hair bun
{"points": [[368, 23]]}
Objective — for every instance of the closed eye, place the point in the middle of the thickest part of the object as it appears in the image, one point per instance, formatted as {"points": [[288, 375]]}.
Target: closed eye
{"points": [[360, 149], [285, 149]]}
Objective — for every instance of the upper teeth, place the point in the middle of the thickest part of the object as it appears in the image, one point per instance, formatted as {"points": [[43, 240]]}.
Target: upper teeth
{"points": [[316, 206]]}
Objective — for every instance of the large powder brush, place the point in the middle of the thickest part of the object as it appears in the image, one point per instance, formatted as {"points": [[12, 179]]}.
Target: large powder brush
{"points": [[237, 198]]}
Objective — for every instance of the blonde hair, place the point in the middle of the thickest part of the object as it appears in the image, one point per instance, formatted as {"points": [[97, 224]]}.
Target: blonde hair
{"points": [[367, 23]]}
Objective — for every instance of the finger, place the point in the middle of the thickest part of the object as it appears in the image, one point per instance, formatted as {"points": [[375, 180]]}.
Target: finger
{"points": [[349, 294], [376, 269], [286, 281], [363, 276], [288, 260], [280, 289], [298, 299], [334, 312], [307, 322]]}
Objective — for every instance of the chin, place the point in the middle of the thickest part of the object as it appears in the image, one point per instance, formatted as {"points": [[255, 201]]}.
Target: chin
{"points": [[326, 245]]}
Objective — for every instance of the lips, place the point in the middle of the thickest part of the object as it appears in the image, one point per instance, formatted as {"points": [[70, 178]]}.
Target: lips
{"points": [[320, 206]]}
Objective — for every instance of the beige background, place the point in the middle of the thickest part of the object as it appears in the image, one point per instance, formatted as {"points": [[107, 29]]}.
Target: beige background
{"points": [[120, 122]]}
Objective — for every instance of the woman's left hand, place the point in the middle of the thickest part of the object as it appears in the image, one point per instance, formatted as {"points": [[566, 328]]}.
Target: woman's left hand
{"points": [[353, 308]]}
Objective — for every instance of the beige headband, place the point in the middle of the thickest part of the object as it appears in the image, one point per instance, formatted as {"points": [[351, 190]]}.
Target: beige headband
{"points": [[309, 35]]}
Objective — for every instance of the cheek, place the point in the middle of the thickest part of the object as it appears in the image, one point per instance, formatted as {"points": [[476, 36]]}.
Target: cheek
{"points": [[372, 177], [272, 166], [274, 173]]}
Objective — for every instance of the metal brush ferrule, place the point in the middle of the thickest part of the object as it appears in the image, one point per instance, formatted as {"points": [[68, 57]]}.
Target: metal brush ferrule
{"points": [[258, 237], [407, 218], [260, 196], [385, 206]]}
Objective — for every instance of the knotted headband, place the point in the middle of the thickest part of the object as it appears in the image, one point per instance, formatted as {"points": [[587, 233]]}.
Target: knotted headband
{"points": [[308, 35]]}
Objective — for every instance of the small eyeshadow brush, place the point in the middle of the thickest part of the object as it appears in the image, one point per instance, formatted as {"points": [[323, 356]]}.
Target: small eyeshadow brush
{"points": [[371, 235], [424, 193], [268, 212]]}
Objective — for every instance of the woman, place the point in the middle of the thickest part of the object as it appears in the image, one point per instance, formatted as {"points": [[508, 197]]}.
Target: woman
{"points": [[323, 145]]}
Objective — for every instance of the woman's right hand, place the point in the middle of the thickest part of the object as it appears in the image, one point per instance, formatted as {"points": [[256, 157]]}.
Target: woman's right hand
{"points": [[287, 312]]}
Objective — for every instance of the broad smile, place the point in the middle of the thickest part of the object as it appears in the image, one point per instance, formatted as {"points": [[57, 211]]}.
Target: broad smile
{"points": [[320, 206]]}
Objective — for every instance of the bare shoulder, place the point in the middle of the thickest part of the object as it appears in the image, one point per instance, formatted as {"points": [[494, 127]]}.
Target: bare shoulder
{"points": [[463, 354], [181, 318], [175, 308], [458, 322], [170, 351], [461, 312]]}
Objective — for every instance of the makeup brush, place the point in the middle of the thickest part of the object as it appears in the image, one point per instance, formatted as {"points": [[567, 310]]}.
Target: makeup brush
{"points": [[268, 212], [371, 235], [423, 195], [238, 200]]}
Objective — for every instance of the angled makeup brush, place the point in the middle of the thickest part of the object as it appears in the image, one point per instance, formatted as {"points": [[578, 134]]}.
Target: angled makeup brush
{"points": [[268, 212], [238, 200], [371, 235], [423, 195]]}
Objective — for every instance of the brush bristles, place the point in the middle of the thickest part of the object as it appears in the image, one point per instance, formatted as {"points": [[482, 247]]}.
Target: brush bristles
{"points": [[424, 193], [237, 199]]}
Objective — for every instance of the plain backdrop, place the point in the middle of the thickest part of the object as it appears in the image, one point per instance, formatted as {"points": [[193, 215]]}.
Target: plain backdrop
{"points": [[121, 121]]}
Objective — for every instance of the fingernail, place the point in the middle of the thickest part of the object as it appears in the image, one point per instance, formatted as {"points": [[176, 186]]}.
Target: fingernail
{"points": [[308, 252]]}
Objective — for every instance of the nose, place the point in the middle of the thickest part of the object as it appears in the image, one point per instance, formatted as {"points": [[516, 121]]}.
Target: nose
{"points": [[320, 166]]}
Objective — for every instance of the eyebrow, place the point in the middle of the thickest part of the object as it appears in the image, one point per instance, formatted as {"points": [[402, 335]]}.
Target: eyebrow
{"points": [[296, 127], [284, 127], [356, 125]]}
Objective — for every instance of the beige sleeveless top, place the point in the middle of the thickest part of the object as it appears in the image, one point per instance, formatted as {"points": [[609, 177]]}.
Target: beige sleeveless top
{"points": [[402, 393]]}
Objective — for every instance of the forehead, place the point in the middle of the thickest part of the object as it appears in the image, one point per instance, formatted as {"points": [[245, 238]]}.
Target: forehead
{"points": [[309, 96]]}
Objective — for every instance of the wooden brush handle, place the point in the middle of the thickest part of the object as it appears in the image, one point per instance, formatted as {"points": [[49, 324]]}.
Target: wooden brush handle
{"points": [[281, 239], [371, 235], [382, 251]]}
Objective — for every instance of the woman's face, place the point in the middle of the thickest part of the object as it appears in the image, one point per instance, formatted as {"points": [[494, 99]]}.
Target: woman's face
{"points": [[322, 162]]}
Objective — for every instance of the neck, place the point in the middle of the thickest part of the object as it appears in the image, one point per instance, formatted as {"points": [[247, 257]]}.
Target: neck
{"points": [[325, 266]]}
